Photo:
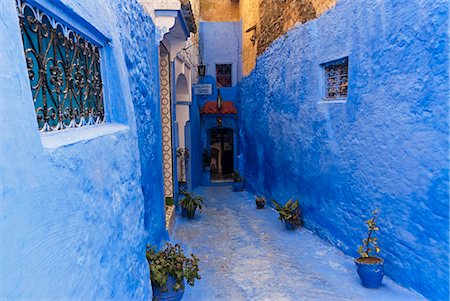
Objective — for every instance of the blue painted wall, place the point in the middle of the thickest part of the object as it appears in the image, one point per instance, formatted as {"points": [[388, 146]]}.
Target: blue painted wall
{"points": [[221, 44], [386, 147], [137, 36], [227, 94], [196, 151], [76, 213]]}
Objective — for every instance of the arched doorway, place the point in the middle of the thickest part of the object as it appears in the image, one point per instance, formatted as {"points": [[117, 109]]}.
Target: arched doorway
{"points": [[183, 101], [221, 144], [182, 89]]}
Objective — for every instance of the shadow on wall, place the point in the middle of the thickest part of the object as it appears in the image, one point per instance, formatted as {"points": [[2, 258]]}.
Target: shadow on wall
{"points": [[386, 146]]}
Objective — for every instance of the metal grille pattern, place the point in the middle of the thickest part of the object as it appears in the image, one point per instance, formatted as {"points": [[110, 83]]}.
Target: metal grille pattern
{"points": [[223, 75], [336, 80], [64, 72]]}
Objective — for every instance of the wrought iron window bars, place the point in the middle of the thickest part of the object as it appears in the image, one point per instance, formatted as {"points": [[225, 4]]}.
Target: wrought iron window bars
{"points": [[64, 72], [336, 80], [223, 75]]}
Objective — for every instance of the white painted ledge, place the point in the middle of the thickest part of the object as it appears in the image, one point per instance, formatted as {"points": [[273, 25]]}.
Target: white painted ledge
{"points": [[332, 101], [71, 136]]}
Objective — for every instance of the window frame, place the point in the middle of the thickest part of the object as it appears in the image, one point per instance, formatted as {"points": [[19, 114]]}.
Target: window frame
{"points": [[231, 74], [324, 77], [65, 16]]}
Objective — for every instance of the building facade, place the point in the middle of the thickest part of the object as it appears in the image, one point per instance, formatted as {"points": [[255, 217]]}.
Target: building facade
{"points": [[80, 204]]}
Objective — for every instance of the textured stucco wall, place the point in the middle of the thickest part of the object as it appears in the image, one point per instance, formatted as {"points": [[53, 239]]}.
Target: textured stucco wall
{"points": [[72, 207], [137, 37], [219, 11], [386, 147], [277, 17], [272, 19], [249, 15]]}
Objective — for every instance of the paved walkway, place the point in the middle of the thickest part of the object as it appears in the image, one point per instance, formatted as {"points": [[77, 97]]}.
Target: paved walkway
{"points": [[247, 255]]}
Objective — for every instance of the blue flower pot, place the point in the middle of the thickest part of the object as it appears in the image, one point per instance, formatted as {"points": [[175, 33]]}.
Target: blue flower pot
{"points": [[187, 213], [289, 226], [167, 293], [183, 212], [370, 272], [238, 186], [260, 204]]}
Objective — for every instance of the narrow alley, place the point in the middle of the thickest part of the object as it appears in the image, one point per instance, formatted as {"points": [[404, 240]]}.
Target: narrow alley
{"points": [[246, 254], [121, 119]]}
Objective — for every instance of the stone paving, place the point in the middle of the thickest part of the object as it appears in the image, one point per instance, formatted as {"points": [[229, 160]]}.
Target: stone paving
{"points": [[246, 254]]}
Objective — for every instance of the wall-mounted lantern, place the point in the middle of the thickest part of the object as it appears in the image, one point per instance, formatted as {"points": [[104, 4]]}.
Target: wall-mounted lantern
{"points": [[201, 69], [253, 38]]}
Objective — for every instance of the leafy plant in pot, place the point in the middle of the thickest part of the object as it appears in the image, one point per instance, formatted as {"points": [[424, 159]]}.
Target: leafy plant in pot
{"points": [[370, 268], [190, 203], [169, 270], [289, 214], [238, 181], [260, 202]]}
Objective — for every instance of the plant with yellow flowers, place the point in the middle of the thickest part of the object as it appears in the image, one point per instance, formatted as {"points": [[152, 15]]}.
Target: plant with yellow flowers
{"points": [[370, 244], [370, 268]]}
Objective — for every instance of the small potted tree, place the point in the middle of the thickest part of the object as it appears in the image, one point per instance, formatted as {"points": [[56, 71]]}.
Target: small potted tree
{"points": [[190, 203], [238, 181], [289, 214], [169, 270], [370, 268], [260, 202]]}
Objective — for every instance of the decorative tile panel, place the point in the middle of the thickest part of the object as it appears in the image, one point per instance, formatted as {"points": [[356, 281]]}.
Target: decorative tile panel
{"points": [[166, 118]]}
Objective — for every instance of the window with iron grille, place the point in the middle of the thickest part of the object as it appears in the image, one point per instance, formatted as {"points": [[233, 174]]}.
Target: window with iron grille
{"points": [[223, 75], [64, 72], [336, 80]]}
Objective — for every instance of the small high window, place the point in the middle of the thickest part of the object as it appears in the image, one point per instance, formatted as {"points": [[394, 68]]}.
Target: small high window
{"points": [[336, 80], [64, 72], [223, 75]]}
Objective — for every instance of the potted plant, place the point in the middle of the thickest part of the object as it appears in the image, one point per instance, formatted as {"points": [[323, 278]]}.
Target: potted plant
{"points": [[169, 270], [260, 202], [190, 203], [238, 181], [289, 214], [370, 268]]}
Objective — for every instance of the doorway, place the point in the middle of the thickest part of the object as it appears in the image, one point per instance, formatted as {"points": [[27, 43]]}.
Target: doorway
{"points": [[183, 102], [222, 155]]}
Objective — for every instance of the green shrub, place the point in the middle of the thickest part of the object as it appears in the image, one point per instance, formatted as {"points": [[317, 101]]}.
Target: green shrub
{"points": [[191, 200], [290, 212], [237, 176], [170, 260]]}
